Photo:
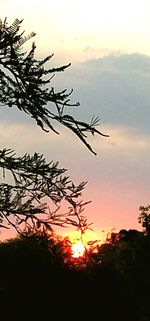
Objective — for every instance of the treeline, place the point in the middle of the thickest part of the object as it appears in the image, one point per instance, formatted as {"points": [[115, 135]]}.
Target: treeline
{"points": [[39, 280]]}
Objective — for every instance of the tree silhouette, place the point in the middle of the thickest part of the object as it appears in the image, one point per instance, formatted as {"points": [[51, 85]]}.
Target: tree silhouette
{"points": [[144, 218], [50, 283], [34, 183]]}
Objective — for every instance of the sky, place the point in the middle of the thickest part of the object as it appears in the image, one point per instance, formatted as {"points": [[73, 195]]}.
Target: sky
{"points": [[108, 45]]}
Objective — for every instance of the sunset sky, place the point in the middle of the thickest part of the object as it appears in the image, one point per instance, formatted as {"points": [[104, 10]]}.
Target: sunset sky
{"points": [[108, 45]]}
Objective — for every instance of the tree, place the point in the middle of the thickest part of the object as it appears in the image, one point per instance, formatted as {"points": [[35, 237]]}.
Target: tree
{"points": [[24, 83], [144, 218]]}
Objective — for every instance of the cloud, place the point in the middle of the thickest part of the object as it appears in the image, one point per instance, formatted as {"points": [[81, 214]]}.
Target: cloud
{"points": [[116, 88], [123, 62], [124, 139]]}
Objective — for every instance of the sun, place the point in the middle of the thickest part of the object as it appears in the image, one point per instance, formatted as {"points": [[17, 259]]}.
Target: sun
{"points": [[77, 249], [88, 236], [81, 246]]}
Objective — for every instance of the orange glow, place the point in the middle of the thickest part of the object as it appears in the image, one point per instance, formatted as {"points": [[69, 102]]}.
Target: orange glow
{"points": [[88, 236], [77, 249]]}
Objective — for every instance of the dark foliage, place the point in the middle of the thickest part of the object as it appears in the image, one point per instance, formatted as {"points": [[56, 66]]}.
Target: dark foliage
{"points": [[128, 254], [144, 218], [41, 285]]}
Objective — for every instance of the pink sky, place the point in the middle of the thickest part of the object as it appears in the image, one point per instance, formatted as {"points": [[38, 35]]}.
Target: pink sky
{"points": [[110, 74]]}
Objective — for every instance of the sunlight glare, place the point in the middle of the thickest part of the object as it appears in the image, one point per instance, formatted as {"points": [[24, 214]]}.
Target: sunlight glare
{"points": [[77, 249]]}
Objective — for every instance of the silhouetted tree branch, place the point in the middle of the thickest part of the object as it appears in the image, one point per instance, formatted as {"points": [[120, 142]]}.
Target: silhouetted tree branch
{"points": [[24, 84], [34, 192]]}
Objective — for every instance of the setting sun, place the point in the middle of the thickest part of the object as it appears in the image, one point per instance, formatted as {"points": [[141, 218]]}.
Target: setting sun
{"points": [[77, 249], [87, 238]]}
